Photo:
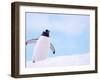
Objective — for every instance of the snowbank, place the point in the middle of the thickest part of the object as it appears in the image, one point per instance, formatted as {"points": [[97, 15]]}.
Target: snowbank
{"points": [[73, 60]]}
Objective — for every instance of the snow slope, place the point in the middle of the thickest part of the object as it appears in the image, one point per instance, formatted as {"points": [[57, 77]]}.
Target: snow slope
{"points": [[73, 60]]}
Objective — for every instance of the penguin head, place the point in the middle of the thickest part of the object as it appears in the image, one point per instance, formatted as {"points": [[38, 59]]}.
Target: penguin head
{"points": [[46, 33]]}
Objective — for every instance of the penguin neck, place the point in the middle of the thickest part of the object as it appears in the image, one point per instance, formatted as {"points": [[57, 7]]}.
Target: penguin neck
{"points": [[44, 38]]}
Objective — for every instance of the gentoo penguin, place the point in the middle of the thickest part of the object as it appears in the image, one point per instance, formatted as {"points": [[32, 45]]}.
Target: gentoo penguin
{"points": [[42, 47]]}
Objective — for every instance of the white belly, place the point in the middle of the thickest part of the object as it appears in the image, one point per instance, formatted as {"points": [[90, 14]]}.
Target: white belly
{"points": [[41, 49]]}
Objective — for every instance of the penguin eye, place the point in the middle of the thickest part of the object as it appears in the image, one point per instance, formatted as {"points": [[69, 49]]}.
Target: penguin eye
{"points": [[47, 31]]}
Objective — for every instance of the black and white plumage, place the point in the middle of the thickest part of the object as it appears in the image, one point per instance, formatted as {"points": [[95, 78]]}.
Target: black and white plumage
{"points": [[42, 46]]}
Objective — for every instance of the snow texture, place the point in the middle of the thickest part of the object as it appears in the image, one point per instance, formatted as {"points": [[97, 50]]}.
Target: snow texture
{"points": [[73, 60]]}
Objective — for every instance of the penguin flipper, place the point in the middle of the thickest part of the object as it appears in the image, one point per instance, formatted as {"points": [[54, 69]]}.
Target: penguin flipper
{"points": [[31, 41], [52, 48]]}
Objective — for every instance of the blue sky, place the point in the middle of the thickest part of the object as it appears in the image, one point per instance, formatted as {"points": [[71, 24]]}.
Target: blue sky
{"points": [[68, 33]]}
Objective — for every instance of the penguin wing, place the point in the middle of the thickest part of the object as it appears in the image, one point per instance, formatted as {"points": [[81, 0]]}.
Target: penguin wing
{"points": [[52, 48], [31, 41]]}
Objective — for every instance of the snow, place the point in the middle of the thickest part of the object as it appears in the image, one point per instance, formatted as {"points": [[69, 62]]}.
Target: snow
{"points": [[72, 60]]}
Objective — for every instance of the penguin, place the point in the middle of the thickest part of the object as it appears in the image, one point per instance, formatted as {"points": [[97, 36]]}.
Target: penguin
{"points": [[42, 47]]}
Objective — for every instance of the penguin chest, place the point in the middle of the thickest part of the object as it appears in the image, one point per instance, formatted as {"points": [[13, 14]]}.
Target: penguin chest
{"points": [[41, 49]]}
